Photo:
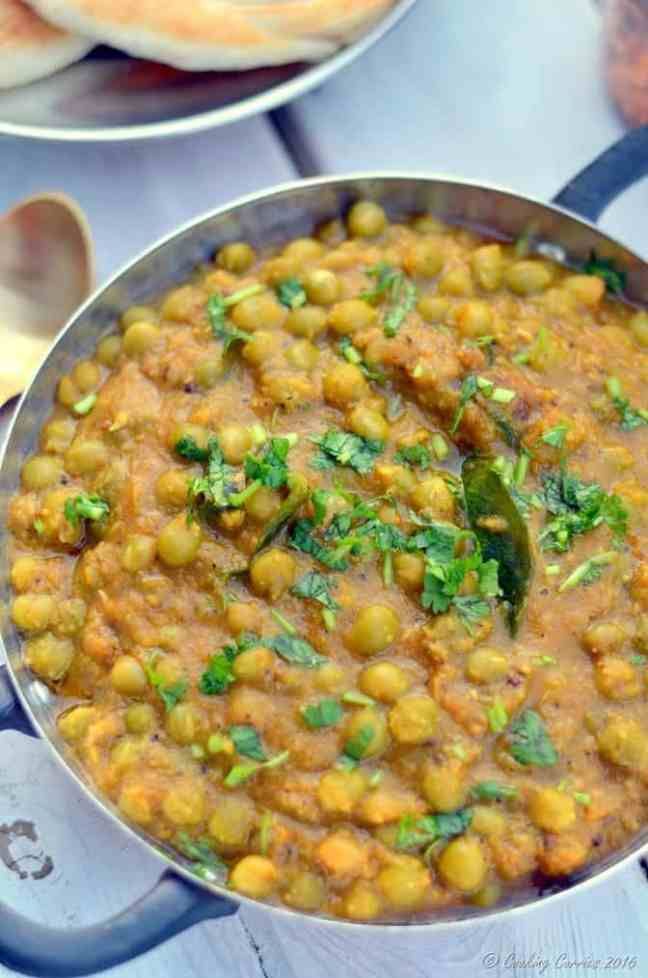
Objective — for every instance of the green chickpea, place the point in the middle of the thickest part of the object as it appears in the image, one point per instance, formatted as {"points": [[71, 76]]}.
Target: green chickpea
{"points": [[140, 718], [362, 901], [624, 742], [413, 719], [236, 257], [321, 286], [307, 891], [138, 314], [273, 572], [405, 883], [128, 677], [235, 442], [425, 258], [254, 665], [307, 321], [208, 372], [409, 570], [303, 250], [185, 724], [67, 392], [259, 312], [366, 220], [184, 804], [443, 788], [368, 423], [33, 612], [488, 266], [138, 552], [58, 434], [109, 350], [86, 456], [254, 876], [351, 315], [73, 724], [374, 628], [261, 347], [433, 496], [86, 375], [639, 327], [552, 810], [528, 277], [196, 432], [344, 384], [40, 472], [302, 354], [49, 657], [384, 681], [140, 338], [457, 282], [178, 542], [338, 792], [434, 308], [263, 505], [232, 822], [474, 319], [486, 666], [171, 488], [371, 719], [462, 864]]}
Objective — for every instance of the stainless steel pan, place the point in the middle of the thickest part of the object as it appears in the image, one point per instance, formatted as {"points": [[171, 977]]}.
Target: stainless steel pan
{"points": [[179, 900]]}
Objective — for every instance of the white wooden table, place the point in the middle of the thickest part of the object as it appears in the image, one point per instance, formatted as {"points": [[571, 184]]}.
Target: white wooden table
{"points": [[508, 92]]}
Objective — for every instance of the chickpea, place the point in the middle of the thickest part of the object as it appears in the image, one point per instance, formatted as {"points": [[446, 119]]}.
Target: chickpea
{"points": [[236, 257], [58, 434], [209, 371], [343, 384], [462, 864], [425, 258], [67, 392], [443, 787], [375, 627], [171, 488], [588, 289], [109, 350], [616, 679], [321, 286], [126, 753], [488, 895], [331, 678], [369, 719], [232, 823], [487, 264], [486, 666], [185, 724], [140, 338], [384, 681], [24, 572], [405, 883], [604, 637], [433, 496], [639, 327], [140, 718], [138, 314], [48, 656], [350, 315], [254, 665], [302, 354], [528, 277], [135, 805], [362, 901], [128, 677], [366, 220], [86, 375], [273, 572], [339, 791], [307, 321], [413, 719], [396, 479], [260, 348], [457, 282], [138, 553], [235, 442], [184, 804], [263, 505], [33, 612], [409, 570], [341, 854], [169, 668], [278, 270], [303, 250], [242, 616], [368, 423], [85, 456], [624, 742], [474, 319], [434, 308], [552, 810], [73, 724], [178, 542], [307, 892], [195, 432], [259, 312], [254, 876], [487, 821], [183, 303], [40, 472]]}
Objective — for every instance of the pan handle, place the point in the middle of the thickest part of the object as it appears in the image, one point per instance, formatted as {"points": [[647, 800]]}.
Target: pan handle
{"points": [[616, 169], [173, 905]]}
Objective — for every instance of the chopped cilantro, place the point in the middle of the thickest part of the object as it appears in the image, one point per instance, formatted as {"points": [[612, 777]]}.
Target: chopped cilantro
{"points": [[416, 833], [169, 693], [85, 405], [631, 417], [291, 293], [529, 742], [589, 571], [205, 862], [346, 449], [352, 355], [187, 448], [583, 798], [215, 487], [469, 389], [356, 698], [317, 587], [555, 437], [247, 741], [326, 713], [497, 716], [295, 650], [605, 268], [242, 772], [400, 291], [219, 674], [86, 506], [493, 791], [270, 469], [578, 507], [357, 745], [416, 456], [217, 306]]}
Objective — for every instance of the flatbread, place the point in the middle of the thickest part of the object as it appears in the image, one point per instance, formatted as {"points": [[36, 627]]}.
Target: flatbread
{"points": [[31, 48], [203, 35]]}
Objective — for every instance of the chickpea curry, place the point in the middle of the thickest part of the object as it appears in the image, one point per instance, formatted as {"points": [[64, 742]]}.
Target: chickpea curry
{"points": [[337, 558]]}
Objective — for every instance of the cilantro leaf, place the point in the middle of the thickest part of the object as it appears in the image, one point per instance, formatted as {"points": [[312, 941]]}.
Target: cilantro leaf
{"points": [[217, 306], [555, 437], [469, 389], [326, 713], [302, 538], [497, 716], [416, 833], [578, 507], [243, 772], [439, 540], [416, 456], [346, 449], [606, 269], [400, 292], [291, 293], [187, 448], [205, 862], [296, 650], [86, 506], [317, 587], [352, 355], [493, 791], [247, 741], [631, 417], [357, 745], [529, 741], [270, 469], [589, 571], [169, 693], [471, 609], [213, 488], [219, 674]]}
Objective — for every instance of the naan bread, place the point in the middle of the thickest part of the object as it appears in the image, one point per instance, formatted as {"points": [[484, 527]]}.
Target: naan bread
{"points": [[30, 48], [203, 35]]}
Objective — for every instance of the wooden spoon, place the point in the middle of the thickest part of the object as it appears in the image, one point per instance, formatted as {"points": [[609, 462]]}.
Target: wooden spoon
{"points": [[46, 271]]}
